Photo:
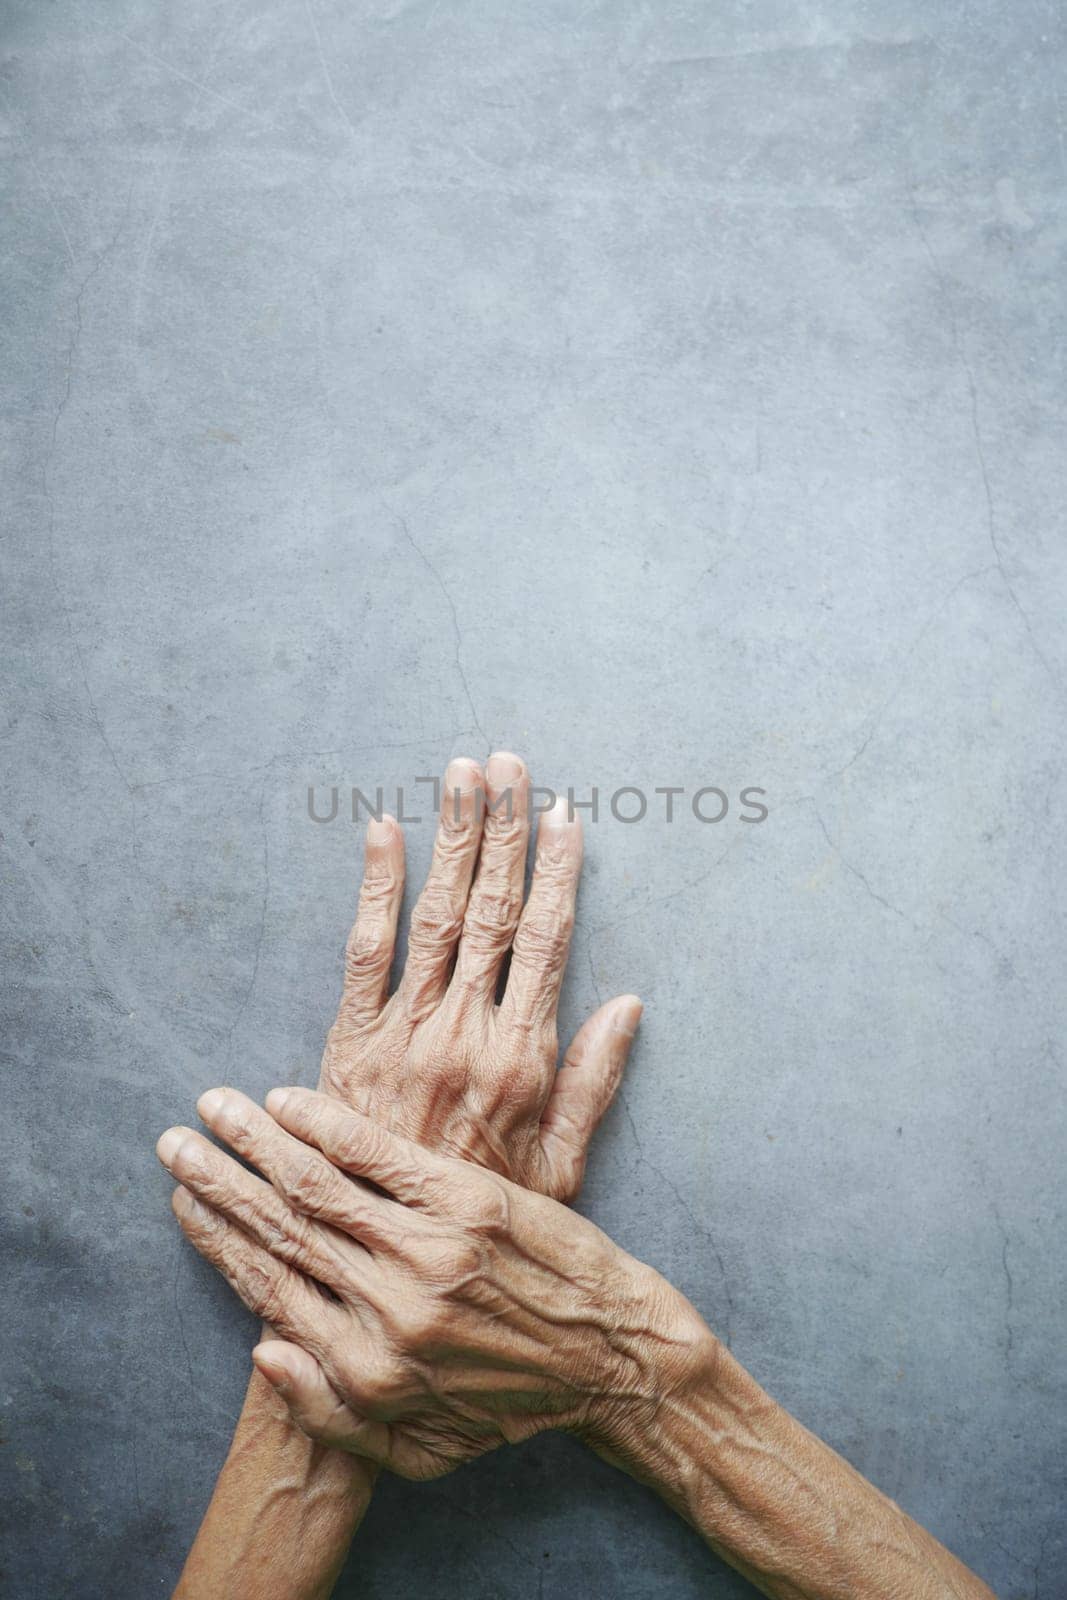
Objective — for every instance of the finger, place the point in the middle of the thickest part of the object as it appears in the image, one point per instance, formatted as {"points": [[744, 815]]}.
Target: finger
{"points": [[307, 1182], [314, 1404], [372, 941], [259, 1210], [539, 956], [584, 1088], [496, 898], [357, 1144], [438, 915], [267, 1286]]}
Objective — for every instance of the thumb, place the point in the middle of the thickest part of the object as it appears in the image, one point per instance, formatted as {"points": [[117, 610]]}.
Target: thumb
{"points": [[314, 1405], [584, 1088]]}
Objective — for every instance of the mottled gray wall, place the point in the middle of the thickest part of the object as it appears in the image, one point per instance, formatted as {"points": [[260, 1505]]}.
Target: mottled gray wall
{"points": [[672, 392]]}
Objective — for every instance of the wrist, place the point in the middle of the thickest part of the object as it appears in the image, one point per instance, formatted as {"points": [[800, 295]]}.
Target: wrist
{"points": [[662, 1352], [284, 1473], [776, 1502], [282, 1513]]}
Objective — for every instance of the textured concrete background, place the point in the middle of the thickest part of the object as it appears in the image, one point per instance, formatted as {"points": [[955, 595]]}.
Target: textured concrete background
{"points": [[673, 393]]}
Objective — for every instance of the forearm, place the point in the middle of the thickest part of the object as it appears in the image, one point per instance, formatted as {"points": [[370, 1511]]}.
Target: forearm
{"points": [[773, 1500], [282, 1515]]}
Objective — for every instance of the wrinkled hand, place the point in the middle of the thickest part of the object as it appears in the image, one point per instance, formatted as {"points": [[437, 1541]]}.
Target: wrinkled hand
{"points": [[440, 1061], [431, 1317]]}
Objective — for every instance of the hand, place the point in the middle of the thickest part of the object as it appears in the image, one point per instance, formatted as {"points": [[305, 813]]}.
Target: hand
{"points": [[431, 1317], [441, 1061], [433, 1310]]}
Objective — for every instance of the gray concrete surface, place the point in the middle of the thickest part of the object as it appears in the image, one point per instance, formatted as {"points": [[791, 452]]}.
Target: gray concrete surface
{"points": [[673, 393]]}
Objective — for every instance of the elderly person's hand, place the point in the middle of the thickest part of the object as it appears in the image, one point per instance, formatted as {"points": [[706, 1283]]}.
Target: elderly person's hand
{"points": [[434, 1310], [440, 1060], [461, 1312]]}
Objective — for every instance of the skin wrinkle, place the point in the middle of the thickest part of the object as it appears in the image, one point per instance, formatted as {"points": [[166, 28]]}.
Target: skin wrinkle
{"points": [[764, 1508], [491, 1312], [308, 1114], [452, 1070], [779, 1509]]}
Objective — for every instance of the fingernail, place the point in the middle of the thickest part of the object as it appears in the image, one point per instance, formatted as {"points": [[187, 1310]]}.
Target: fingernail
{"points": [[462, 774], [559, 815], [275, 1101], [185, 1204], [627, 1017], [209, 1103], [380, 830], [168, 1144], [271, 1367], [503, 768]]}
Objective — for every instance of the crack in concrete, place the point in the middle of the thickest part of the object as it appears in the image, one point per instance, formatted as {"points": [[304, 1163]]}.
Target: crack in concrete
{"points": [[902, 677], [855, 871], [1004, 961], [1009, 1286], [457, 631], [1006, 964], [326, 74]]}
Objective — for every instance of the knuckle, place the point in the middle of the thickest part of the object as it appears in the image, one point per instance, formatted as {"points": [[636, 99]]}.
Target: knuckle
{"points": [[271, 1305], [492, 913], [451, 1265], [366, 1146], [453, 834], [554, 864], [304, 1185], [434, 920], [380, 884], [274, 1236], [377, 1386], [368, 949], [466, 1263], [234, 1126], [355, 1149], [409, 1322], [505, 825], [210, 1228], [422, 1191], [285, 1236], [493, 1206], [544, 935], [262, 1290]]}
